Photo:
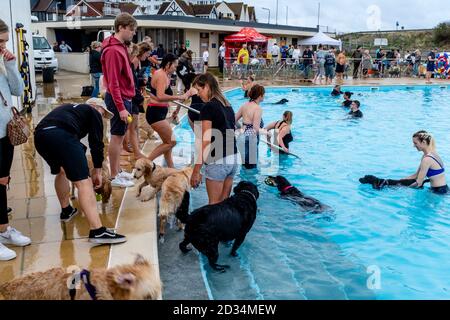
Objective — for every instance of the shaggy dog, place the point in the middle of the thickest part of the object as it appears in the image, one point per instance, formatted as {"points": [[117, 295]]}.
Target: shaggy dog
{"points": [[105, 189], [229, 220], [136, 281], [172, 183], [378, 183], [292, 193]]}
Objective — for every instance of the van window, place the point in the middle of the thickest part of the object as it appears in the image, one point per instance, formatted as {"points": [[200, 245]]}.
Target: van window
{"points": [[40, 43]]}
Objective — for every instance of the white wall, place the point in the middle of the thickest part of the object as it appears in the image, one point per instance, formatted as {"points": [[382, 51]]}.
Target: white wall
{"points": [[21, 13], [194, 42], [225, 10], [76, 62]]}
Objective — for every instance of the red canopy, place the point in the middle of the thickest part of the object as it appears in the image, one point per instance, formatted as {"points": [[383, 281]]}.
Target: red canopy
{"points": [[246, 35]]}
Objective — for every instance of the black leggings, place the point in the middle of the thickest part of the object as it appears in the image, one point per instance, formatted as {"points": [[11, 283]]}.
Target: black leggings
{"points": [[6, 157]]}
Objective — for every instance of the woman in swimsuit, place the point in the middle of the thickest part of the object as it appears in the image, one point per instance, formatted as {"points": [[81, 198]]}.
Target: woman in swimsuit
{"points": [[251, 113], [283, 135], [158, 107], [431, 165]]}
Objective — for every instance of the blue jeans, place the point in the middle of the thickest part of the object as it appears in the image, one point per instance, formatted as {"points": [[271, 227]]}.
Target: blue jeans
{"points": [[96, 81]]}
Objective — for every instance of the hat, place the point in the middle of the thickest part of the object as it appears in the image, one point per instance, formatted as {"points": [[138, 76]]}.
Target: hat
{"points": [[100, 103]]}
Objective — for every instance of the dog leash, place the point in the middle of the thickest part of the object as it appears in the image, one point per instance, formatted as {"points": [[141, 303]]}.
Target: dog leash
{"points": [[85, 277]]}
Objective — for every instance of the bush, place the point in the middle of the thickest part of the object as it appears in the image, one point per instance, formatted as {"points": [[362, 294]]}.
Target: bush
{"points": [[442, 33]]}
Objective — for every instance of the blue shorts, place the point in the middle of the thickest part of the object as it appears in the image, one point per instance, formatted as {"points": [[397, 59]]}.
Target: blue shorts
{"points": [[222, 170], [430, 67]]}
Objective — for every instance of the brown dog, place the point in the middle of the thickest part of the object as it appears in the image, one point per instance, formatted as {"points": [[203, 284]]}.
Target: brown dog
{"points": [[172, 183], [138, 281], [106, 189]]}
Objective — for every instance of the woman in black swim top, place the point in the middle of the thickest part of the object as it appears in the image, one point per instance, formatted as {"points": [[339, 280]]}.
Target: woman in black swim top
{"points": [[158, 107], [283, 135]]}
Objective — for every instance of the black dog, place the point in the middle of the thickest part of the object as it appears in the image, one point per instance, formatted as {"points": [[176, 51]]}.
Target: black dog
{"points": [[282, 101], [292, 193], [229, 220], [378, 183]]}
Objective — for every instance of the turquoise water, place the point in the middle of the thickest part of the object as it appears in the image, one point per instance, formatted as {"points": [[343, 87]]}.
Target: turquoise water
{"points": [[389, 244]]}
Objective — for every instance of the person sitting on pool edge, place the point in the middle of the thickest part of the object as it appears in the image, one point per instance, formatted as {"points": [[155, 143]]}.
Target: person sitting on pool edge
{"points": [[283, 135], [347, 97], [354, 109], [431, 165], [336, 91]]}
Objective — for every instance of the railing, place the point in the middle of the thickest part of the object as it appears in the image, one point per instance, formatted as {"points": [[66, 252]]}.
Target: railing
{"points": [[290, 69]]}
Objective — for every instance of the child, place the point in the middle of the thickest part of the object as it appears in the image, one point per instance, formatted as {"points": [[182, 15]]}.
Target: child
{"points": [[347, 97], [336, 91], [205, 60]]}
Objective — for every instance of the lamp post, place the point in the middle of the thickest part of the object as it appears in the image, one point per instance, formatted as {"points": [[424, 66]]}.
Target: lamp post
{"points": [[276, 18], [268, 20]]}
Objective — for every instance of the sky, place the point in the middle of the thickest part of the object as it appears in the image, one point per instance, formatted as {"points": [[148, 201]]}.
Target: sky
{"points": [[351, 15]]}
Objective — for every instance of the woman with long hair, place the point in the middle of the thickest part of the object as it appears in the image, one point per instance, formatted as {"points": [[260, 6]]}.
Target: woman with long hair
{"points": [[158, 107], [283, 135], [216, 146], [11, 83], [341, 61]]}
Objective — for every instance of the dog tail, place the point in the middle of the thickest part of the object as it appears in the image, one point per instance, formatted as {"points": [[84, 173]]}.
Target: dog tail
{"points": [[182, 213]]}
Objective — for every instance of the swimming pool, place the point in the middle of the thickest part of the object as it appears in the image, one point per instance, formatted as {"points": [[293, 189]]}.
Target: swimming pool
{"points": [[389, 244]]}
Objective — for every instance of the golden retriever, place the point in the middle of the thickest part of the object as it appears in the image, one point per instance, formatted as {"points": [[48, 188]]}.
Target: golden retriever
{"points": [[137, 281], [172, 183]]}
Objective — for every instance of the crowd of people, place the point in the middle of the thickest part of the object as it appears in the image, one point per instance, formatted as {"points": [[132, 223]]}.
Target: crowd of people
{"points": [[123, 73]]}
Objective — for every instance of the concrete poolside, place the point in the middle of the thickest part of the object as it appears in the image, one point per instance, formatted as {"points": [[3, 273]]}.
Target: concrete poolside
{"points": [[36, 208]]}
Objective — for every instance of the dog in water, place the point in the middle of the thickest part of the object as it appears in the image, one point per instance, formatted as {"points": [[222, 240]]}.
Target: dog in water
{"points": [[288, 191], [379, 183], [282, 101], [172, 183], [137, 281], [229, 220]]}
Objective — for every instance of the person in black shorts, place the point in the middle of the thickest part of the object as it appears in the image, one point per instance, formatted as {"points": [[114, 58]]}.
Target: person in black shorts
{"points": [[431, 62], [347, 99], [57, 139]]}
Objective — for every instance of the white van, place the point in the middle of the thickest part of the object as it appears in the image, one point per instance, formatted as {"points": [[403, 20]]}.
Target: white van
{"points": [[43, 54]]}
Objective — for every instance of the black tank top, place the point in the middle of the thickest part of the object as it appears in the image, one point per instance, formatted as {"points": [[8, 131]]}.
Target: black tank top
{"points": [[287, 138]]}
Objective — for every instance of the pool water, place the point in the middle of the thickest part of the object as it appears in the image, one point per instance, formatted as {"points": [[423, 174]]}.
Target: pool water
{"points": [[389, 244]]}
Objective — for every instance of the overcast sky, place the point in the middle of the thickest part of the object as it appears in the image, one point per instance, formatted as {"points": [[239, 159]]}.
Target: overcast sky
{"points": [[351, 15]]}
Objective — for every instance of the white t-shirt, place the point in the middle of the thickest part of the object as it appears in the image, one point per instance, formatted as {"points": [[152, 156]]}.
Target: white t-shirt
{"points": [[222, 51], [296, 54], [205, 56], [275, 50]]}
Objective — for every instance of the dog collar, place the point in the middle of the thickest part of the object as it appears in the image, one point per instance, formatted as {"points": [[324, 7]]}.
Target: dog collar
{"points": [[154, 167], [248, 192], [287, 188], [85, 277]]}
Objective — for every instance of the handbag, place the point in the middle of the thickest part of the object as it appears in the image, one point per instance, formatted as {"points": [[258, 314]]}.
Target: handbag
{"points": [[17, 129]]}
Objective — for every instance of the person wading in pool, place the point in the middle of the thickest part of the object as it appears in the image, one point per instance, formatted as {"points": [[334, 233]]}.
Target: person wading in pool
{"points": [[431, 165], [251, 114], [347, 99], [158, 107], [283, 135], [354, 109]]}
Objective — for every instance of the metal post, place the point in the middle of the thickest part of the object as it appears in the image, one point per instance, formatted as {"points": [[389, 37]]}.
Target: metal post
{"points": [[276, 18], [287, 12], [318, 18]]}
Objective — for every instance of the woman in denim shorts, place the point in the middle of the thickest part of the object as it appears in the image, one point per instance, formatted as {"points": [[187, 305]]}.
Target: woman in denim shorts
{"points": [[218, 152]]}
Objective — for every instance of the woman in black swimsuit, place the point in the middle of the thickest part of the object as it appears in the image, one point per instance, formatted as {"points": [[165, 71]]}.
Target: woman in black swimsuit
{"points": [[283, 135], [158, 107]]}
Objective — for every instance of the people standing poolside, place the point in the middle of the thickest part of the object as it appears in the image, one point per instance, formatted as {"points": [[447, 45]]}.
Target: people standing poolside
{"points": [[366, 63], [11, 83], [205, 60], [320, 60], [431, 62], [65, 126], [431, 164], [120, 91], [283, 135], [216, 146], [357, 56], [158, 107], [251, 114], [330, 65], [341, 61], [307, 61], [95, 67]]}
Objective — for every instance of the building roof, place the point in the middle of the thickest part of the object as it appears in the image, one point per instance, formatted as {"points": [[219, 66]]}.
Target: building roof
{"points": [[236, 7], [187, 8], [163, 7], [202, 9], [42, 6], [251, 13], [128, 7], [95, 9]]}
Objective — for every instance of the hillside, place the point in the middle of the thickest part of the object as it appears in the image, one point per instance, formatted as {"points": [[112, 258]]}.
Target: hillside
{"points": [[403, 40]]}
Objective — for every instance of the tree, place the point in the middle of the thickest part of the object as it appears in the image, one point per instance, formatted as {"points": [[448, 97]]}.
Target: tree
{"points": [[441, 33]]}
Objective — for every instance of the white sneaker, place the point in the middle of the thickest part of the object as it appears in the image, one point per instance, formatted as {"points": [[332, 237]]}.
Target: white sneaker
{"points": [[121, 182], [14, 237], [6, 253], [125, 175]]}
